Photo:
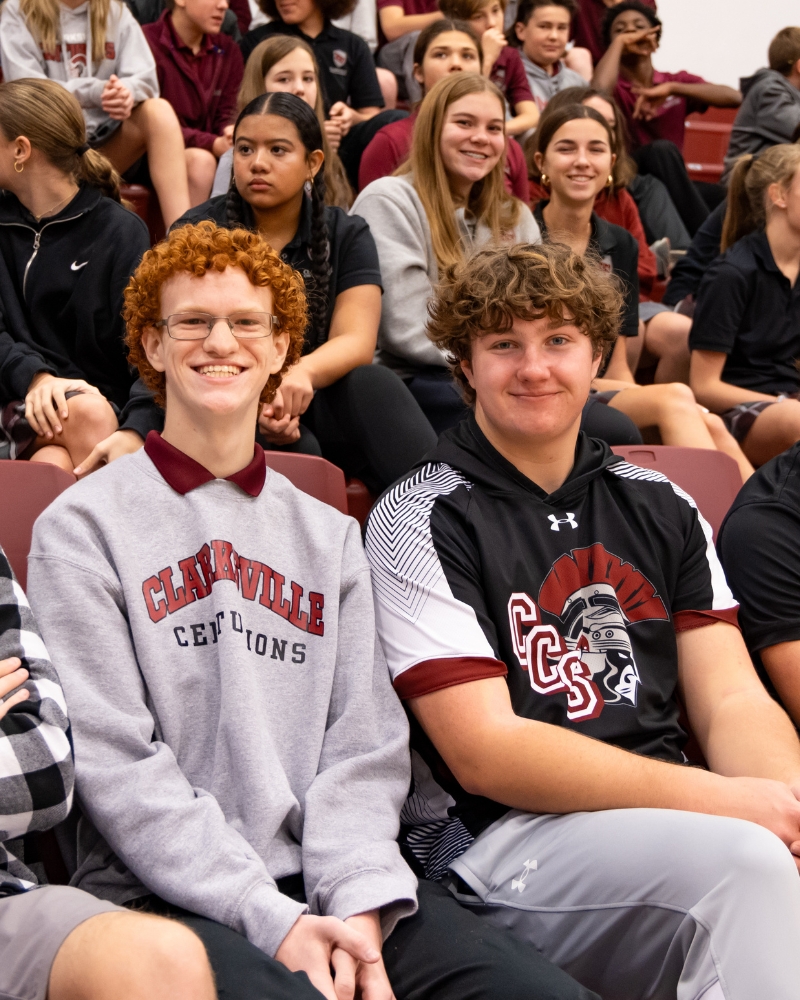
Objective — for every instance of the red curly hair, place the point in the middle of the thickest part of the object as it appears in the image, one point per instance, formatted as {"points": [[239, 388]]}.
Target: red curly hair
{"points": [[195, 250]]}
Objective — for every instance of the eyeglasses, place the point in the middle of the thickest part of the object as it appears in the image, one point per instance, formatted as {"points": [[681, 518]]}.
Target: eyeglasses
{"points": [[198, 326]]}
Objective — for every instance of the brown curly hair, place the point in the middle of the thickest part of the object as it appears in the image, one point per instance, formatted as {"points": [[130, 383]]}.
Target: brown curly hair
{"points": [[485, 293], [195, 250]]}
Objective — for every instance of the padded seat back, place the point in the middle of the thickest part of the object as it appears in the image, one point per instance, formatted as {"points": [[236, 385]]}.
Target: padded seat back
{"points": [[711, 478], [26, 488], [315, 476]]}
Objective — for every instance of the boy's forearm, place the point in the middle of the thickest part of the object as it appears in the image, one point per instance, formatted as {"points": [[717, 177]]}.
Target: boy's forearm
{"points": [[716, 95], [397, 24], [606, 72]]}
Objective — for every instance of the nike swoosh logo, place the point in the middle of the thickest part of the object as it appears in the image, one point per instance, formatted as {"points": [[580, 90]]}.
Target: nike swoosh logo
{"points": [[75, 266]]}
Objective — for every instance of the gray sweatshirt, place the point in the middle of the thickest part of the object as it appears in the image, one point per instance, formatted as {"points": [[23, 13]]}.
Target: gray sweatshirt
{"points": [[127, 55], [402, 235], [543, 86], [769, 114], [232, 715]]}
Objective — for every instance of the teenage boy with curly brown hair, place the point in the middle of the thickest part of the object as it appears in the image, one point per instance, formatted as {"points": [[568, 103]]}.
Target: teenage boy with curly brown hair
{"points": [[241, 758], [541, 604]]}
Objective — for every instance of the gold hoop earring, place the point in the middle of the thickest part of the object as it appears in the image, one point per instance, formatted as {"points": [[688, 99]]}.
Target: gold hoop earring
{"points": [[545, 181], [610, 181], [18, 166]]}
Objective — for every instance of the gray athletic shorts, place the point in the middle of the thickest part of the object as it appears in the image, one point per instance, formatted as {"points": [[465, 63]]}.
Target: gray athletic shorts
{"points": [[33, 926]]}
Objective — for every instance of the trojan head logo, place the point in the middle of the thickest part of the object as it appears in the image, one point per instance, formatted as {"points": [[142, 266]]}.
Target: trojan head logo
{"points": [[596, 596]]}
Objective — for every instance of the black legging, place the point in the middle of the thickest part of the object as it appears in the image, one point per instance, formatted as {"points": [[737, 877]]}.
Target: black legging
{"points": [[369, 424], [663, 159]]}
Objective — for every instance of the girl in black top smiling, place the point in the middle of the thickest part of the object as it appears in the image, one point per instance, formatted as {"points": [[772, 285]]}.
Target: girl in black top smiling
{"points": [[575, 159], [334, 402], [745, 338]]}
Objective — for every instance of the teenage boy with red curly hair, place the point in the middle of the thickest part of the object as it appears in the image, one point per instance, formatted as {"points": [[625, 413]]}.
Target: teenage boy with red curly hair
{"points": [[241, 758], [541, 604]]}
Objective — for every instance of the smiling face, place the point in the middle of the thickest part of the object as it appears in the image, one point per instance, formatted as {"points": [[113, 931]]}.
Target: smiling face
{"points": [[294, 74], [270, 162], [207, 15], [532, 382], [450, 52], [489, 16], [577, 161], [544, 38], [473, 140], [220, 375], [629, 22]]}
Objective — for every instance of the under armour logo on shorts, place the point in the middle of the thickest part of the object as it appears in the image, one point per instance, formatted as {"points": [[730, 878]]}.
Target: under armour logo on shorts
{"points": [[519, 883], [556, 521]]}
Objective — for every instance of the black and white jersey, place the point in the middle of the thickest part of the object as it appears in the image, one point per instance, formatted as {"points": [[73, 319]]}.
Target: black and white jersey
{"points": [[574, 597]]}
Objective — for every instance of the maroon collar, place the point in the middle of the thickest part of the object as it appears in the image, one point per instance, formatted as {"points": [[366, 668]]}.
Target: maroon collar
{"points": [[183, 474], [177, 42]]}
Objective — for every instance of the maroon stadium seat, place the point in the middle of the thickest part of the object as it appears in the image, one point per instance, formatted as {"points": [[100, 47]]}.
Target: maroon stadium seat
{"points": [[26, 488], [312, 475], [711, 478], [706, 143]]}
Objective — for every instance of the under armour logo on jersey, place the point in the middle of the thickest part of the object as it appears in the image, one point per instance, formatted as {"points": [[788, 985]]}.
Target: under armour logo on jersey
{"points": [[519, 883], [556, 521]]}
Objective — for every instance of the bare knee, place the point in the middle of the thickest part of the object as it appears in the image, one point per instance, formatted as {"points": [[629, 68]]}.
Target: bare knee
{"points": [[133, 955], [674, 398], [91, 415], [156, 112], [388, 84]]}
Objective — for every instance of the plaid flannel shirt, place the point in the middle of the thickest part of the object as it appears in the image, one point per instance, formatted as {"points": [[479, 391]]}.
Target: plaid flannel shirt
{"points": [[36, 770]]}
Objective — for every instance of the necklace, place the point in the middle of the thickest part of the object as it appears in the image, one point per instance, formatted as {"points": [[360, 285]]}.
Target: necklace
{"points": [[55, 208]]}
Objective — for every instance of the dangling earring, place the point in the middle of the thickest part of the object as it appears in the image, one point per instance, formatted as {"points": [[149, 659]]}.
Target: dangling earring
{"points": [[610, 181], [308, 188], [19, 166], [545, 181]]}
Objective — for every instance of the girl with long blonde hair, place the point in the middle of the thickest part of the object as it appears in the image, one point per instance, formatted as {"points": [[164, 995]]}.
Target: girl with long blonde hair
{"points": [[449, 198], [285, 64], [67, 250], [745, 338], [97, 51]]}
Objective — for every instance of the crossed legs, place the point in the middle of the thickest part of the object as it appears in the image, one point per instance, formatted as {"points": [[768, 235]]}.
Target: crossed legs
{"points": [[91, 420], [153, 128]]}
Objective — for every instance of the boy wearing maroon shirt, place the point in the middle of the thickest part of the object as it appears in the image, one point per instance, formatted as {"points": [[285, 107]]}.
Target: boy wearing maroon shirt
{"points": [[199, 73]]}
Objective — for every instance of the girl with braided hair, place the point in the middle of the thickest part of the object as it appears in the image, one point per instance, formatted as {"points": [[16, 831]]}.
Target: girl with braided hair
{"points": [[334, 402]]}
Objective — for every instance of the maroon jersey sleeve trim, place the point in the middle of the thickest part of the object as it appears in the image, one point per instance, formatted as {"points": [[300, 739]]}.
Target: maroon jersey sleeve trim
{"points": [[683, 621], [436, 674]]}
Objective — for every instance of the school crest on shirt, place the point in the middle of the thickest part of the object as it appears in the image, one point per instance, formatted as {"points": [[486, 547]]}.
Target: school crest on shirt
{"points": [[595, 596], [339, 58]]}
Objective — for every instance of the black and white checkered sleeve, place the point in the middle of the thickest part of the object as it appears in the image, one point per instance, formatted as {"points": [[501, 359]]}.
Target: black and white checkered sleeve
{"points": [[36, 768]]}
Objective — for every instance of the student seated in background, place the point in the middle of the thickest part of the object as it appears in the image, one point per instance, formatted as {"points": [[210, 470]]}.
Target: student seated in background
{"points": [[108, 66], [656, 104], [745, 337], [67, 250], [548, 605], [248, 783], [501, 62], [542, 30], [758, 547], [587, 28], [282, 64], [199, 73], [448, 199], [442, 48], [350, 88], [334, 402], [770, 111], [56, 941], [575, 161], [235, 21], [399, 19]]}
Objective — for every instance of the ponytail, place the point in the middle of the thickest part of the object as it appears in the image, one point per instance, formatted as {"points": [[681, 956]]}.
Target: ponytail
{"points": [[317, 290], [747, 192], [94, 169], [739, 217]]}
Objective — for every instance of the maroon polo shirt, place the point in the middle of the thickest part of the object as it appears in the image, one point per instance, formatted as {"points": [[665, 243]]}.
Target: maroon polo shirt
{"points": [[670, 119], [183, 474], [508, 74], [201, 88]]}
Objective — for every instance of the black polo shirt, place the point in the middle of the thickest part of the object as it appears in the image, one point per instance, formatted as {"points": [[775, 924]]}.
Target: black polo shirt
{"points": [[619, 252], [353, 255], [747, 309], [346, 68], [759, 546]]}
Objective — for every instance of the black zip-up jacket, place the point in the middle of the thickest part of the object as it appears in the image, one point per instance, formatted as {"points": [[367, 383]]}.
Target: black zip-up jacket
{"points": [[61, 286], [573, 597]]}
